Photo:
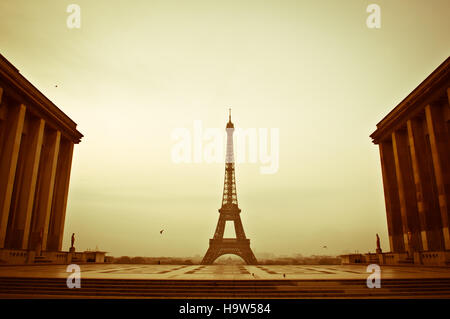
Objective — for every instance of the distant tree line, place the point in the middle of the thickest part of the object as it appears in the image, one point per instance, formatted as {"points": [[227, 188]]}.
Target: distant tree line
{"points": [[311, 260], [152, 260], [298, 260]]}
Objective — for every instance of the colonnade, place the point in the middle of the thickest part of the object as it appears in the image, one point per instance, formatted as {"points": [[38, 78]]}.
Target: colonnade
{"points": [[415, 160], [35, 164]]}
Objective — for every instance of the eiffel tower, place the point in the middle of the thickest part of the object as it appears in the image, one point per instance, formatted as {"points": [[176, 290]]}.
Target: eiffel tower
{"points": [[229, 211]]}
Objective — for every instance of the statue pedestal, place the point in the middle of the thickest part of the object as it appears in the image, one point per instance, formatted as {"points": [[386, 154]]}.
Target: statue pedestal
{"points": [[72, 249]]}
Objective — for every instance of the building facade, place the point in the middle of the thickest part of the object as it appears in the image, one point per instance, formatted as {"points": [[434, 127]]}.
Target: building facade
{"points": [[414, 145], [36, 147]]}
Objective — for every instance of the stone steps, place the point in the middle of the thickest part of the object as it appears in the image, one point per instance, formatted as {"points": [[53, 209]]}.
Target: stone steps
{"points": [[42, 260], [111, 288]]}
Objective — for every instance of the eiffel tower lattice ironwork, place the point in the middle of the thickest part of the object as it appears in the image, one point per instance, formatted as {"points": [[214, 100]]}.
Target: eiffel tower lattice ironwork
{"points": [[229, 211]]}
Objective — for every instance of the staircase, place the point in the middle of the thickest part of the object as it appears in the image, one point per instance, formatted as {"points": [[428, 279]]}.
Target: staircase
{"points": [[41, 260], [124, 288], [76, 260], [406, 261]]}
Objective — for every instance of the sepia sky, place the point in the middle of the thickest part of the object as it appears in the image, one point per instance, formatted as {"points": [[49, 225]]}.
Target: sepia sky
{"points": [[137, 70]]}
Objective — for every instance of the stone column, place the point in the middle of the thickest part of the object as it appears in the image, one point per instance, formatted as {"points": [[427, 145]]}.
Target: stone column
{"points": [[8, 161], [421, 179], [28, 187], [407, 193], [448, 96], [46, 182], [58, 215], [2, 120], [391, 197], [439, 141]]}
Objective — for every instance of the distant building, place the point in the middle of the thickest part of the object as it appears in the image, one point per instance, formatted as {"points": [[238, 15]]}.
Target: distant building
{"points": [[414, 144], [36, 147]]}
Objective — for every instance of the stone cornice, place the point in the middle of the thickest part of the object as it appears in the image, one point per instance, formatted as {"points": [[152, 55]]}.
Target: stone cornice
{"points": [[36, 101], [427, 91]]}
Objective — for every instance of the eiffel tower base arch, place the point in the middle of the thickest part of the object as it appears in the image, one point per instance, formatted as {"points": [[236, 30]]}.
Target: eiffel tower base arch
{"points": [[239, 247]]}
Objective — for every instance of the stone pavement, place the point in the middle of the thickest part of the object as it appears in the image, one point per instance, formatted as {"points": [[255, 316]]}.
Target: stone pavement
{"points": [[222, 281], [223, 272]]}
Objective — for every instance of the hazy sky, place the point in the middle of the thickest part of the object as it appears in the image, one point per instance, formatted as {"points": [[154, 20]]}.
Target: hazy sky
{"points": [[137, 70]]}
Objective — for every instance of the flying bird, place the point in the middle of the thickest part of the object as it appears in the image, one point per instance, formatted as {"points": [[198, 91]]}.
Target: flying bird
{"points": [[161, 231], [324, 247]]}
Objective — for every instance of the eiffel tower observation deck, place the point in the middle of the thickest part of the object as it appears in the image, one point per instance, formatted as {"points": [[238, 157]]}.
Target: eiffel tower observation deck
{"points": [[229, 211]]}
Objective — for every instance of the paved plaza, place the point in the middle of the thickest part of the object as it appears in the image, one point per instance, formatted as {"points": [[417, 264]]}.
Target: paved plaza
{"points": [[223, 272], [223, 281]]}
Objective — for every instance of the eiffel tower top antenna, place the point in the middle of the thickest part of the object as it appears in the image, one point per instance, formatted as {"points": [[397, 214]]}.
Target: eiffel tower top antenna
{"points": [[230, 124]]}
